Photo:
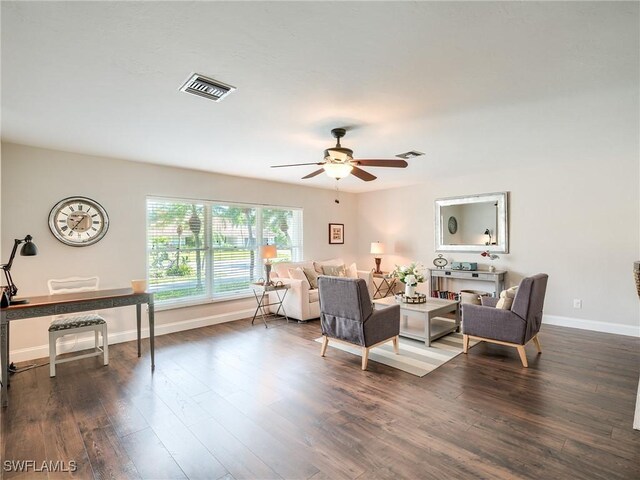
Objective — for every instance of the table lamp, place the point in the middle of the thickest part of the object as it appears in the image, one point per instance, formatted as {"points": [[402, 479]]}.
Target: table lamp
{"points": [[28, 250], [268, 252], [377, 249]]}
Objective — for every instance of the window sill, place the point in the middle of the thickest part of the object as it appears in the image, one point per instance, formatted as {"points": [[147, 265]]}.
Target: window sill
{"points": [[159, 307]]}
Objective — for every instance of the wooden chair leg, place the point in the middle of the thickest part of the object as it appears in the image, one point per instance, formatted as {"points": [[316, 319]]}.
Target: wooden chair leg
{"points": [[396, 345], [465, 343], [323, 348], [536, 342], [523, 356], [365, 357]]}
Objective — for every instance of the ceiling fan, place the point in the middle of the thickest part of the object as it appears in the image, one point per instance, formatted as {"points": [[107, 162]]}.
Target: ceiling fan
{"points": [[339, 162]]}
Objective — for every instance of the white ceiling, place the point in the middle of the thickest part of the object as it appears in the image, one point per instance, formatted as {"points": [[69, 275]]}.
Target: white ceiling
{"points": [[103, 77]]}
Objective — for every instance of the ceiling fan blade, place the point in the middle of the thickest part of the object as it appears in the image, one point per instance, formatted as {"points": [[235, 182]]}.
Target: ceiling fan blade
{"points": [[362, 175], [297, 164], [382, 163], [313, 174]]}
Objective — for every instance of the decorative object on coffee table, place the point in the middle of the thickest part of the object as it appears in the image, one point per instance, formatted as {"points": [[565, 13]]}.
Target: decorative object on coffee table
{"points": [[336, 233], [416, 298], [410, 275], [377, 249]]}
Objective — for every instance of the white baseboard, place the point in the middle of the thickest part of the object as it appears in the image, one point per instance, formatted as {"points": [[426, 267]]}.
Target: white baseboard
{"points": [[606, 327], [65, 346]]}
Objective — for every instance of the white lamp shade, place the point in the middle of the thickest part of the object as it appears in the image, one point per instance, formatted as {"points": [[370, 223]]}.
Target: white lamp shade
{"points": [[377, 248], [337, 170], [268, 251]]}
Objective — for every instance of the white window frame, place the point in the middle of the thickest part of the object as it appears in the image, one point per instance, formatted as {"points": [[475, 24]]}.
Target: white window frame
{"points": [[297, 249]]}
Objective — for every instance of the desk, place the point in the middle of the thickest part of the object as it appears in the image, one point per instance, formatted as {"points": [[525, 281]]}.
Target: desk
{"points": [[47, 305]]}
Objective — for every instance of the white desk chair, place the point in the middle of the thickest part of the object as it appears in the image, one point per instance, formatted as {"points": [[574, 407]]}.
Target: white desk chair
{"points": [[70, 324]]}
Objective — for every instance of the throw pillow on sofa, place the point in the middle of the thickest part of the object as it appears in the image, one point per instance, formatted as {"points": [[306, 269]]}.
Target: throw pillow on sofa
{"points": [[298, 274], [318, 265], [352, 271], [334, 270], [312, 277]]}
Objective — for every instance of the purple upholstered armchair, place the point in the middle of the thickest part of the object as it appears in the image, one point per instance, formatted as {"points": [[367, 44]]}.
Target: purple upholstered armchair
{"points": [[346, 315], [515, 327]]}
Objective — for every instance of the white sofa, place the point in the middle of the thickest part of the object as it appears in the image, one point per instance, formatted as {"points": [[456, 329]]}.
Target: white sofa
{"points": [[301, 302]]}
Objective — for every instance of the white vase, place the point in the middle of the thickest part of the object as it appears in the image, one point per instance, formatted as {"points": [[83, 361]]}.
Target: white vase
{"points": [[492, 268], [409, 290]]}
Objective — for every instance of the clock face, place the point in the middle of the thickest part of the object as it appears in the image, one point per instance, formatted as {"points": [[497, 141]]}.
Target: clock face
{"points": [[453, 225], [78, 221]]}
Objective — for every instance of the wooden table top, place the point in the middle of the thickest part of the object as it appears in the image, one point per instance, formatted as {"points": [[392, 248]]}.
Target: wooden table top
{"points": [[75, 297]]}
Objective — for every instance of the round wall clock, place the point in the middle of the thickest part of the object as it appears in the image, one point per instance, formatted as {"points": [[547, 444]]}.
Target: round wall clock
{"points": [[453, 225], [78, 221]]}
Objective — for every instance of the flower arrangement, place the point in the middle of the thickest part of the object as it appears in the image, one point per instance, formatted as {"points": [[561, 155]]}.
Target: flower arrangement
{"points": [[409, 274], [489, 255]]}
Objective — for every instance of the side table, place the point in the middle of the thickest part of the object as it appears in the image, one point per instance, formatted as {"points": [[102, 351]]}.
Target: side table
{"points": [[386, 287], [261, 292]]}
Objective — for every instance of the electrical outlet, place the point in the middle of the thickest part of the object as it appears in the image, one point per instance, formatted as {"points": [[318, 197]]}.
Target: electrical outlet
{"points": [[577, 303]]}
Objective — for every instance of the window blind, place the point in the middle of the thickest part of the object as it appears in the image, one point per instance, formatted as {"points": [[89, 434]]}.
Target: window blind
{"points": [[176, 250], [199, 250]]}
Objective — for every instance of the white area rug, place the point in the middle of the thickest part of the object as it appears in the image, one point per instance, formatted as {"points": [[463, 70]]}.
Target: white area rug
{"points": [[415, 357]]}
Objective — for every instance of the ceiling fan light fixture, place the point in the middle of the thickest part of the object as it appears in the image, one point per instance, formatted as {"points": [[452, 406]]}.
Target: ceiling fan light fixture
{"points": [[337, 170], [338, 154]]}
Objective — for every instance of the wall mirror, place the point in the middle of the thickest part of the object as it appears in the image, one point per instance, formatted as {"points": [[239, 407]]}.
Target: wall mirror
{"points": [[474, 223]]}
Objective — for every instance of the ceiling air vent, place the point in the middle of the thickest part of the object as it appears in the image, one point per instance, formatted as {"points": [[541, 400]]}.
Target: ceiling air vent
{"points": [[410, 154], [206, 87]]}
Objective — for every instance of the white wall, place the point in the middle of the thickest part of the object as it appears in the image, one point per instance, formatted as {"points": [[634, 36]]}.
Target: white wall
{"points": [[34, 179], [571, 166]]}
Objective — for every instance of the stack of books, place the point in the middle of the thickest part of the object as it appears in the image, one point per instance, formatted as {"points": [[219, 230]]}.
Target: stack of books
{"points": [[445, 294]]}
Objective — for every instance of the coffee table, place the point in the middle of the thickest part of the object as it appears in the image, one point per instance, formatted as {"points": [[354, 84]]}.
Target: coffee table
{"points": [[419, 320]]}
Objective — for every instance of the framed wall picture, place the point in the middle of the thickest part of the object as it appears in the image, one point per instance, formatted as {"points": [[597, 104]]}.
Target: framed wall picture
{"points": [[336, 233]]}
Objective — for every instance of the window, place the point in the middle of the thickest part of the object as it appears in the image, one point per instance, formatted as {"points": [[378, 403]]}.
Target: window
{"points": [[200, 251]]}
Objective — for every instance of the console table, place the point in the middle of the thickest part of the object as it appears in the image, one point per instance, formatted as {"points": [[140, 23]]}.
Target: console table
{"points": [[47, 305], [497, 277]]}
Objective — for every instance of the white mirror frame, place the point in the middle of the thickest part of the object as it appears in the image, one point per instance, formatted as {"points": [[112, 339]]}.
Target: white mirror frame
{"points": [[502, 242]]}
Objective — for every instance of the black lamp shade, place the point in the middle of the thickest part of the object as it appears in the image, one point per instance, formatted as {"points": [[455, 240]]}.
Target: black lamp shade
{"points": [[29, 249]]}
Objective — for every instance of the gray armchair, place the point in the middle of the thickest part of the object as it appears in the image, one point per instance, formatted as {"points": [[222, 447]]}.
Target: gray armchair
{"points": [[346, 315], [515, 327]]}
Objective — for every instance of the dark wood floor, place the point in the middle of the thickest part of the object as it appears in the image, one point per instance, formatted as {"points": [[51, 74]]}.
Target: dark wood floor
{"points": [[239, 401]]}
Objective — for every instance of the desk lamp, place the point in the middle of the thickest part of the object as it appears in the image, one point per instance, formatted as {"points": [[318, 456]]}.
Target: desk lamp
{"points": [[377, 249], [28, 250], [488, 232], [268, 252]]}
